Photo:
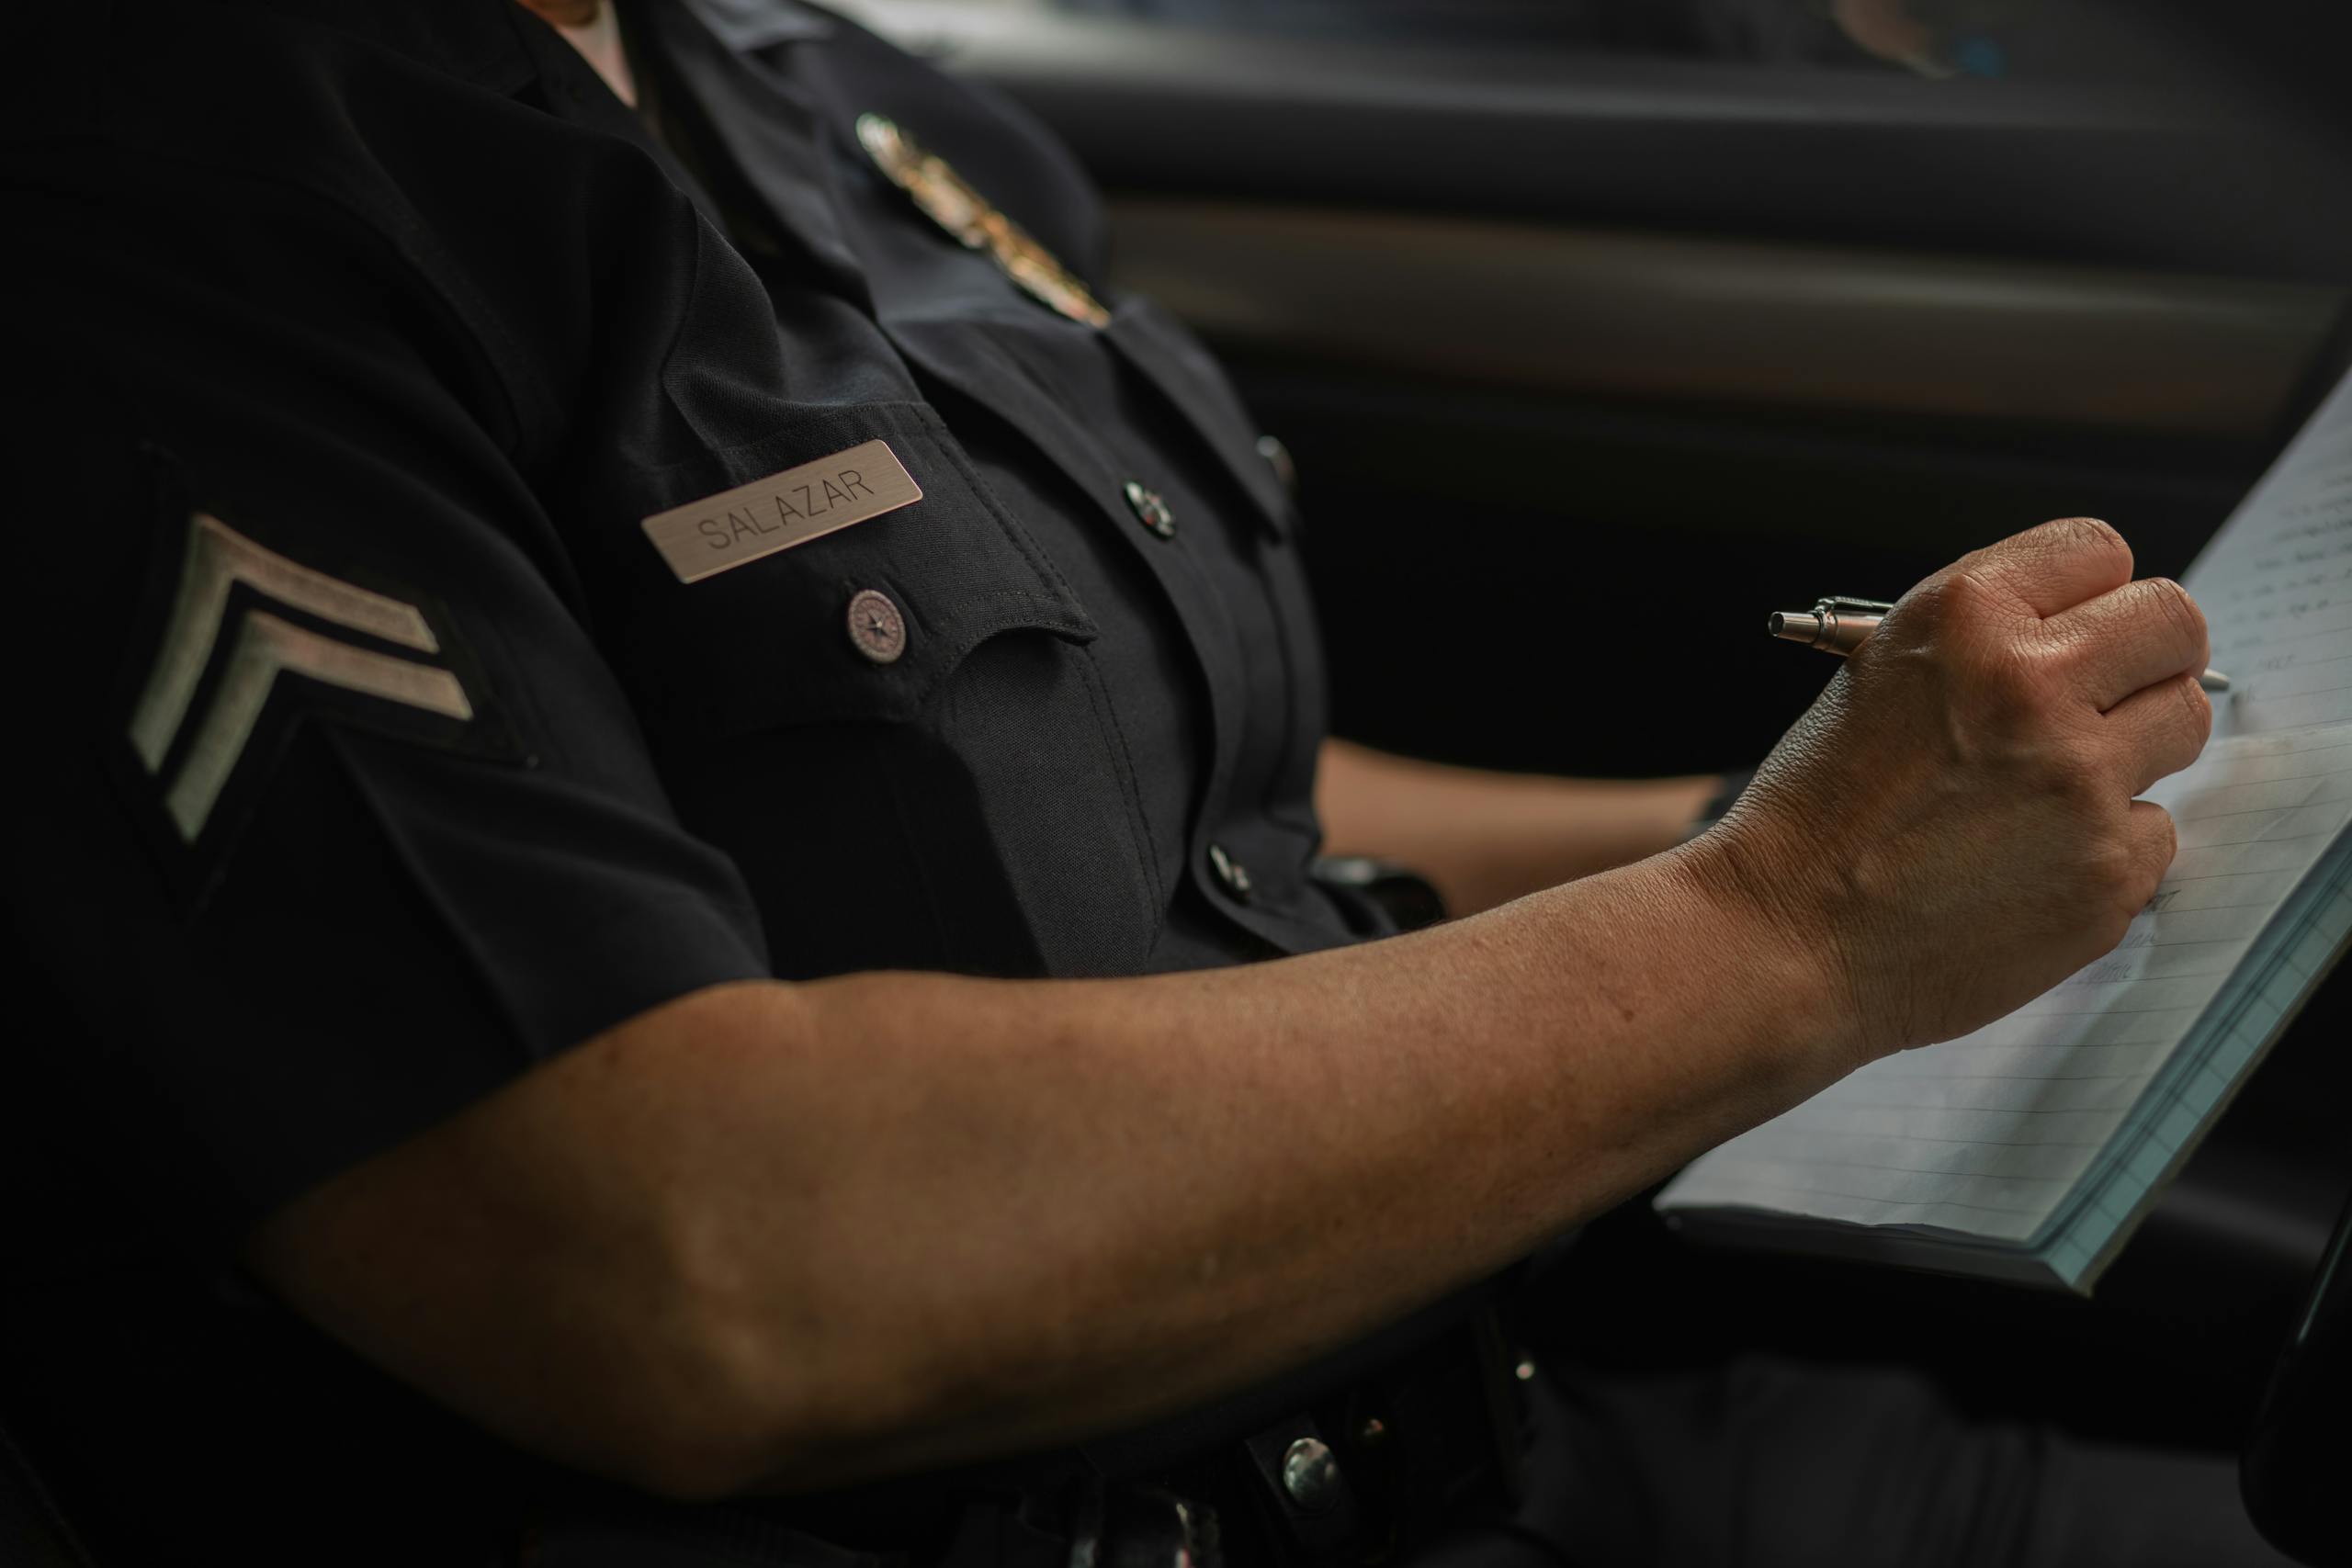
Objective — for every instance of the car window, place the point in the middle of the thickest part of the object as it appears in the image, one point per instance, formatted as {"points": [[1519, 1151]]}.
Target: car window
{"points": [[2087, 41]]}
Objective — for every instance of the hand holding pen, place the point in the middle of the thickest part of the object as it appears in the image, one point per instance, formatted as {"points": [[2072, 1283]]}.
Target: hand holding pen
{"points": [[1960, 821], [1839, 625]]}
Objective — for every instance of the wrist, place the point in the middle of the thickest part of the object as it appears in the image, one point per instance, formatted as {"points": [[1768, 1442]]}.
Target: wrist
{"points": [[1758, 930]]}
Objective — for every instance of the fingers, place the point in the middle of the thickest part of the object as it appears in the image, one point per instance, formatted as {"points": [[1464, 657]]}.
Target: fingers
{"points": [[2131, 637], [2153, 843], [2054, 567], [2161, 728]]}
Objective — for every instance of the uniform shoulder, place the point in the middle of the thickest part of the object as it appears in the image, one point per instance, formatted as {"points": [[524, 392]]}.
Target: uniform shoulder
{"points": [[210, 170], [301, 92]]}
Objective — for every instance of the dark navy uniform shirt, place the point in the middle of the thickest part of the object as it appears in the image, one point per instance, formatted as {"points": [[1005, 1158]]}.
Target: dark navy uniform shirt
{"points": [[369, 751]]}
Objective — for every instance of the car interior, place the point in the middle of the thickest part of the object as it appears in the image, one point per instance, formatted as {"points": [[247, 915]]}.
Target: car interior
{"points": [[1593, 343]]}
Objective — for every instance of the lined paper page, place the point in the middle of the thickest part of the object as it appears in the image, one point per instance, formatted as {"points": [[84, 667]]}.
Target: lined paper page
{"points": [[1993, 1134], [2289, 962], [1988, 1133], [2276, 585]]}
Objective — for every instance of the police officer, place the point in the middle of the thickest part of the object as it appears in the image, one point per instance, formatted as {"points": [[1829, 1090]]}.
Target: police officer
{"points": [[657, 746]]}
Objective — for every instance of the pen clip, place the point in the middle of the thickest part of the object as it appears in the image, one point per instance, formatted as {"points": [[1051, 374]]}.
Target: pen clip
{"points": [[1838, 605]]}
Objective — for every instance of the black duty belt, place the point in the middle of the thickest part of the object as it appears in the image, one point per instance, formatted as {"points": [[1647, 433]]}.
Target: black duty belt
{"points": [[1362, 1475], [1354, 1460]]}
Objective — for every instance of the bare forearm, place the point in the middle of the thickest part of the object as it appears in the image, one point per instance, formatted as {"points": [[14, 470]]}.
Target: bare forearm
{"points": [[1486, 838], [1154, 1191], [927, 1218], [793, 1234]]}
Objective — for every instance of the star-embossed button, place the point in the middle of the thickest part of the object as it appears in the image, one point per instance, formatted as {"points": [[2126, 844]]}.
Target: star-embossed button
{"points": [[876, 629], [1150, 511]]}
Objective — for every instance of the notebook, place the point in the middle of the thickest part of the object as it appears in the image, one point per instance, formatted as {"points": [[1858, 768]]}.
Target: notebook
{"points": [[2029, 1149]]}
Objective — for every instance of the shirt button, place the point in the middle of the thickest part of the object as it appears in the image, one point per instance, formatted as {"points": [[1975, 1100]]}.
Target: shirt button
{"points": [[1231, 873], [876, 629], [1278, 458], [1150, 511]]}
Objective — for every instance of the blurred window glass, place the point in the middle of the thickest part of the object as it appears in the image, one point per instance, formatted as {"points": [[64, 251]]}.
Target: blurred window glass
{"points": [[2078, 40]]}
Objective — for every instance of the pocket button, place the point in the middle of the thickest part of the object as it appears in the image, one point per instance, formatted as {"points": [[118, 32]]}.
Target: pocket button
{"points": [[876, 629]]}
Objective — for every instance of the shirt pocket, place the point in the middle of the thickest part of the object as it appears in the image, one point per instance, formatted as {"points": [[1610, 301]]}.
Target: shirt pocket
{"points": [[770, 642], [968, 805]]}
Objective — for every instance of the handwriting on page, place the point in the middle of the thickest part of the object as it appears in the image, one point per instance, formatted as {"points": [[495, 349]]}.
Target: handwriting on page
{"points": [[2276, 586], [1991, 1133], [1988, 1133]]}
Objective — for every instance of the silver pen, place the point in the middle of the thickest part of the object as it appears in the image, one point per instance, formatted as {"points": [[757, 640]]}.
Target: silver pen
{"points": [[1838, 625]]}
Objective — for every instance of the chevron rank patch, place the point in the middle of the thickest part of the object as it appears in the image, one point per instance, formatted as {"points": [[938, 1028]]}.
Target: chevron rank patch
{"points": [[239, 617]]}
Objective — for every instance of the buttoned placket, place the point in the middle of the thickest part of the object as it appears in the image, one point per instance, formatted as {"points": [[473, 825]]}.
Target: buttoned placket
{"points": [[791, 145]]}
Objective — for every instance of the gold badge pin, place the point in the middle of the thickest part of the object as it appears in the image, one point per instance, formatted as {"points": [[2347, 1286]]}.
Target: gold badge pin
{"points": [[955, 206]]}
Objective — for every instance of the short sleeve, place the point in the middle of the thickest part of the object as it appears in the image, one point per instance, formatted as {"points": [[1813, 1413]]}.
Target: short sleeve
{"points": [[331, 816]]}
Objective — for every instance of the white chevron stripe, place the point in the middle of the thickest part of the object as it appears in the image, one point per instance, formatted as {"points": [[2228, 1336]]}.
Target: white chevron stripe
{"points": [[216, 558], [265, 645]]}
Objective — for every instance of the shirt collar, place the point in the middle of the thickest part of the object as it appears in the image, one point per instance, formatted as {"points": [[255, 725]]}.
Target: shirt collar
{"points": [[471, 40], [770, 130], [761, 23]]}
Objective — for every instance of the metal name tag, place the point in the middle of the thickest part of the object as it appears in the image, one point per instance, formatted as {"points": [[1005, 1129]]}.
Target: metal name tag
{"points": [[775, 514]]}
